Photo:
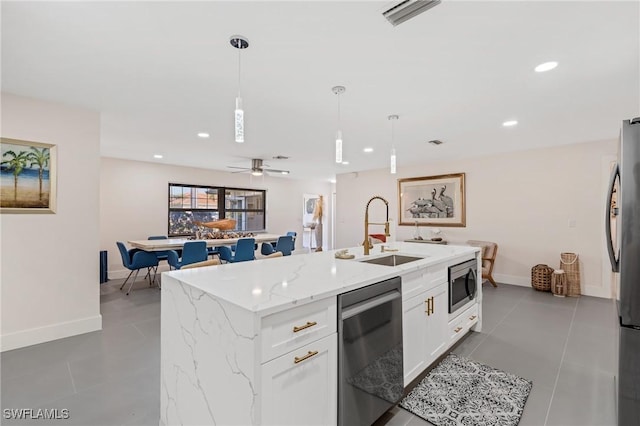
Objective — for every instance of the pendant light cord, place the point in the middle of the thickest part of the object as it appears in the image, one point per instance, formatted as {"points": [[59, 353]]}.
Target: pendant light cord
{"points": [[239, 71], [392, 135], [339, 117]]}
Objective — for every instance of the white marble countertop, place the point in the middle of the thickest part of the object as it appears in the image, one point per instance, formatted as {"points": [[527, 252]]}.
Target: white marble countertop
{"points": [[267, 286]]}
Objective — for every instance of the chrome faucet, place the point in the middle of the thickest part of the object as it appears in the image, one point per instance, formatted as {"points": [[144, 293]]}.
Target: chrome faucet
{"points": [[367, 244]]}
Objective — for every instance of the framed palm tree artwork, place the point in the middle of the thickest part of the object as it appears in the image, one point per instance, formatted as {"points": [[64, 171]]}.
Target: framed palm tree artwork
{"points": [[28, 177]]}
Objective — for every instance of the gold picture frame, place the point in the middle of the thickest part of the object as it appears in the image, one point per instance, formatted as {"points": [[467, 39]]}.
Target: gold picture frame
{"points": [[28, 172], [432, 201]]}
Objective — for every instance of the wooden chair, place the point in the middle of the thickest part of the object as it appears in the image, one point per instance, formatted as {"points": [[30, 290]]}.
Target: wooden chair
{"points": [[210, 262], [489, 251], [274, 254]]}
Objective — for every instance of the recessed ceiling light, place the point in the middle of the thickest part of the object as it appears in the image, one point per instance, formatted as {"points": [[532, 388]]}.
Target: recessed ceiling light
{"points": [[332, 180], [345, 163], [368, 149], [509, 123], [285, 172], [203, 135], [547, 66], [158, 156]]}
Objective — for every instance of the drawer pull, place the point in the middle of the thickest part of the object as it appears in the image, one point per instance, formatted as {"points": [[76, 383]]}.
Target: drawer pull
{"points": [[472, 317], [457, 329], [302, 327], [296, 360]]}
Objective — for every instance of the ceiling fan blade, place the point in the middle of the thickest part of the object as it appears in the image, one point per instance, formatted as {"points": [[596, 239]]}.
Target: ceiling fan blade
{"points": [[243, 168], [276, 171], [242, 171]]}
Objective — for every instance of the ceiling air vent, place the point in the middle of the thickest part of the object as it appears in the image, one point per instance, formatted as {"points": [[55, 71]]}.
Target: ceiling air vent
{"points": [[436, 142], [407, 9], [280, 157]]}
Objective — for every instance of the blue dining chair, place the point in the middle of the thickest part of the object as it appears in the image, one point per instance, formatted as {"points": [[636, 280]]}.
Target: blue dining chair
{"points": [[134, 260], [293, 235], [225, 254], [161, 255], [267, 249], [192, 252], [245, 250], [284, 245]]}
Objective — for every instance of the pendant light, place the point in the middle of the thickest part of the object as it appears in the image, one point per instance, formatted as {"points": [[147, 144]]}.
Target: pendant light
{"points": [[392, 164], [239, 42], [338, 90]]}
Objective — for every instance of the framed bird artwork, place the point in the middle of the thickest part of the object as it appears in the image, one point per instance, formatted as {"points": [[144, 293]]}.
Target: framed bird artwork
{"points": [[432, 201]]}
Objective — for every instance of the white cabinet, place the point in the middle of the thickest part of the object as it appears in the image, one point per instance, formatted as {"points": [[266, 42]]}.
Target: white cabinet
{"points": [[299, 377], [424, 330], [300, 387], [437, 322], [414, 338]]}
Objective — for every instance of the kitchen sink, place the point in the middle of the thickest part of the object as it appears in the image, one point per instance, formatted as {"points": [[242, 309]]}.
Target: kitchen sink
{"points": [[392, 260]]}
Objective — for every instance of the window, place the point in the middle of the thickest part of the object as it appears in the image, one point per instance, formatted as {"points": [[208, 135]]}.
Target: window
{"points": [[193, 203], [246, 206]]}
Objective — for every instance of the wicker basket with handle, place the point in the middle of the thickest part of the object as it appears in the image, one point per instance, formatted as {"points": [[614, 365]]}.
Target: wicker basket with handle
{"points": [[569, 262], [541, 277]]}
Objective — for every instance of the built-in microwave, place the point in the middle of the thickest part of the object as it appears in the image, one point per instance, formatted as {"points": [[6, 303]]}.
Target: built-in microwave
{"points": [[463, 281]]}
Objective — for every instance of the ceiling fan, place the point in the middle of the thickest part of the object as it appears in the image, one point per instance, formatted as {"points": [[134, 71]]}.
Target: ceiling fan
{"points": [[258, 168]]}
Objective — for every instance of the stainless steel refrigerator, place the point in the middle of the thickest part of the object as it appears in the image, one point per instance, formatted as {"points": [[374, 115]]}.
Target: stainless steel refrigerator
{"points": [[623, 243]]}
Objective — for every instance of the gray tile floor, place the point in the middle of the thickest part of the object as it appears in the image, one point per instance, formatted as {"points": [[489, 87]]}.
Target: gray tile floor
{"points": [[111, 377]]}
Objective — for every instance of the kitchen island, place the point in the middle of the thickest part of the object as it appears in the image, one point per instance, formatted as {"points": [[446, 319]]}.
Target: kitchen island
{"points": [[255, 342]]}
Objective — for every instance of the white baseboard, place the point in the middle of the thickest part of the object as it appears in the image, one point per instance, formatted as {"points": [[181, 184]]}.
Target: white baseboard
{"points": [[513, 280], [594, 291], [33, 336], [526, 282]]}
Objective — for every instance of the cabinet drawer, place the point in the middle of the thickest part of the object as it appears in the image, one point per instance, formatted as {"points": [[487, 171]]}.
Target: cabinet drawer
{"points": [[471, 316], [456, 328], [463, 322], [288, 330]]}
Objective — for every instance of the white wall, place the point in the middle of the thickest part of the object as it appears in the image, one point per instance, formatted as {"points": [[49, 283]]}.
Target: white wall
{"points": [[522, 200], [50, 262], [134, 203]]}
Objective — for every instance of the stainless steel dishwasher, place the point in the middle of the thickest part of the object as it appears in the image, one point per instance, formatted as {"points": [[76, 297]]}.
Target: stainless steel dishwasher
{"points": [[370, 377]]}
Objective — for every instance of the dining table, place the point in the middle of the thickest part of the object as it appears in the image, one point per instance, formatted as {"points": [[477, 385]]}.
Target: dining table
{"points": [[178, 243]]}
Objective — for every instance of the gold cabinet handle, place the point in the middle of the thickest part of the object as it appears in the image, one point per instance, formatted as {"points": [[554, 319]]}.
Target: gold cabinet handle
{"points": [[302, 327], [307, 356], [472, 317], [433, 307], [457, 329], [429, 303]]}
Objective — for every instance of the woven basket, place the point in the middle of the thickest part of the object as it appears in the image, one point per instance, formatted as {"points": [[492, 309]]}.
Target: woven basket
{"points": [[559, 283], [541, 277], [569, 262]]}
